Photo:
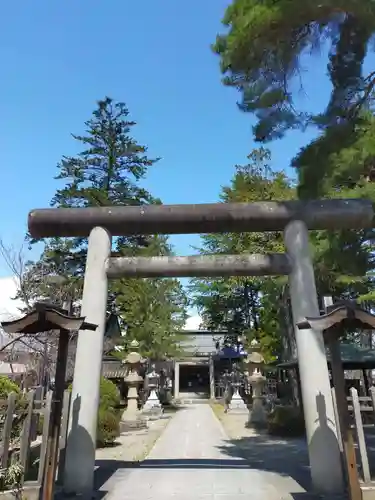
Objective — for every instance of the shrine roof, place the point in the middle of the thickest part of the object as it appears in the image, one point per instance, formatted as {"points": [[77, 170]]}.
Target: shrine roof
{"points": [[353, 358], [112, 367], [200, 342]]}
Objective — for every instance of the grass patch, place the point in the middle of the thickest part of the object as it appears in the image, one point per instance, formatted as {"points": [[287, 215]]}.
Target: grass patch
{"points": [[218, 409]]}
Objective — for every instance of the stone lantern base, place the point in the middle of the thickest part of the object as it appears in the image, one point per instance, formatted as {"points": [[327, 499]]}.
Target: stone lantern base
{"points": [[132, 422], [152, 409], [257, 414], [132, 418], [237, 404]]}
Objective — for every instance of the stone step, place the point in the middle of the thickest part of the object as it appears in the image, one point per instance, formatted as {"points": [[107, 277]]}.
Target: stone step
{"points": [[193, 395], [194, 401]]}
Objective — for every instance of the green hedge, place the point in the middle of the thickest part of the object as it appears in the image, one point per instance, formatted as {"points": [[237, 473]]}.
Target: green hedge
{"points": [[108, 414], [286, 421], [108, 427], [109, 395]]}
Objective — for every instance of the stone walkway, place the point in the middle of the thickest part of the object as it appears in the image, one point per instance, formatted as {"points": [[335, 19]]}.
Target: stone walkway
{"points": [[189, 462]]}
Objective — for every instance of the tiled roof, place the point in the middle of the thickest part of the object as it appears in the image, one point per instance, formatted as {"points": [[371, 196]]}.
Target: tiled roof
{"points": [[113, 368], [201, 342]]}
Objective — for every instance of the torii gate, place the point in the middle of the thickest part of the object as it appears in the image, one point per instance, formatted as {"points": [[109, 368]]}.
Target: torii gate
{"points": [[295, 218]]}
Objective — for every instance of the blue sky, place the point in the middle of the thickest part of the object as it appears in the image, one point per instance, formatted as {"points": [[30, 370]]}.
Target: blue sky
{"points": [[58, 58]]}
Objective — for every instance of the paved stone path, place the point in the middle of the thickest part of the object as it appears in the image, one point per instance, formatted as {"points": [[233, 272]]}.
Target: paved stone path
{"points": [[188, 463]]}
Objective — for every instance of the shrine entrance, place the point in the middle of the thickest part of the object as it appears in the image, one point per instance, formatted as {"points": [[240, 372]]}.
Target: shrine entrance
{"points": [[293, 218], [194, 379]]}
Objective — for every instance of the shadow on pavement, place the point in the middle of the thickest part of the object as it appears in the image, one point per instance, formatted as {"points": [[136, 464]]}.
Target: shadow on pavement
{"points": [[288, 458], [284, 457], [106, 469]]}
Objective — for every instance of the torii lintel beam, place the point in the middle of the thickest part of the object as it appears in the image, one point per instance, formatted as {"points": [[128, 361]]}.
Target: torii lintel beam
{"points": [[205, 218], [199, 266]]}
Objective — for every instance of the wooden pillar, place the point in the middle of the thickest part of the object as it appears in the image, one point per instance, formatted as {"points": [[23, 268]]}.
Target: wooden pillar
{"points": [[344, 421], [365, 381]]}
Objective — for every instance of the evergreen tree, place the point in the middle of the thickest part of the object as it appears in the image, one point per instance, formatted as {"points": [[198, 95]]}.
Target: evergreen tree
{"points": [[340, 164], [245, 305], [108, 173], [153, 312], [263, 46]]}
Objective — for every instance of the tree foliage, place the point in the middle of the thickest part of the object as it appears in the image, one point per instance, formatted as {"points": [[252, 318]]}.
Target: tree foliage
{"points": [[154, 311], [245, 305], [262, 49], [340, 164], [343, 260], [108, 172]]}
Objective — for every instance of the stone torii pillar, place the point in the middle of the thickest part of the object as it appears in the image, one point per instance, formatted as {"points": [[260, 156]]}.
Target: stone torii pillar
{"points": [[81, 444], [325, 461], [176, 384]]}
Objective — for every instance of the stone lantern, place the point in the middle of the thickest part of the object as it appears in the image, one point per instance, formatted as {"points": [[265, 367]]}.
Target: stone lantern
{"points": [[255, 361], [152, 407], [132, 418], [236, 404]]}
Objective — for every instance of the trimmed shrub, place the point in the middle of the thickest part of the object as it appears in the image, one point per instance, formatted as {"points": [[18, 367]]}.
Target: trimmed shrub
{"points": [[286, 421], [108, 427], [109, 395], [108, 416]]}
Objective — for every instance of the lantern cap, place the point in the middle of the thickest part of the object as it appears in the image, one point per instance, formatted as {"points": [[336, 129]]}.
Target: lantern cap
{"points": [[255, 357]]}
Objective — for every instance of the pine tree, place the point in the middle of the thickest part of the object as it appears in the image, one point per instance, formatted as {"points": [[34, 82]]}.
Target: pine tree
{"points": [[262, 49], [340, 164], [107, 172]]}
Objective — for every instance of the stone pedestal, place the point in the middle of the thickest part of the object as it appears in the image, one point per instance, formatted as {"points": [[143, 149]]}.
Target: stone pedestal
{"points": [[152, 407], [132, 417], [237, 404], [257, 415]]}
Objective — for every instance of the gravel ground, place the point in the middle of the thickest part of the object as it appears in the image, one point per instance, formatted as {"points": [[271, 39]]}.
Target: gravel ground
{"points": [[133, 446]]}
